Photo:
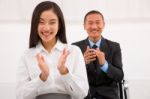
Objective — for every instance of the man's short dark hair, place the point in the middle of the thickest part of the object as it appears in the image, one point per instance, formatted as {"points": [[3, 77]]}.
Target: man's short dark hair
{"points": [[93, 12]]}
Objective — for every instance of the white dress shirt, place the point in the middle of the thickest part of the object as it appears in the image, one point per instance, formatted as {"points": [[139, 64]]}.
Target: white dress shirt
{"points": [[75, 83]]}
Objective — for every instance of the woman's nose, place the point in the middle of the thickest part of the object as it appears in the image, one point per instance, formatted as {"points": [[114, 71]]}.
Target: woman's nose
{"points": [[47, 27]]}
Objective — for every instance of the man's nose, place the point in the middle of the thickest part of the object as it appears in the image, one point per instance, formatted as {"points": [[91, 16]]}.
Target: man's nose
{"points": [[94, 26]]}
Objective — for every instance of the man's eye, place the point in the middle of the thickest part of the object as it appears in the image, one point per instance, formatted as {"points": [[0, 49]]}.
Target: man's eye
{"points": [[90, 23], [97, 22]]}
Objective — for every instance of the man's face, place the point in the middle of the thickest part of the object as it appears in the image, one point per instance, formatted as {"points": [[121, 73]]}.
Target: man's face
{"points": [[94, 25]]}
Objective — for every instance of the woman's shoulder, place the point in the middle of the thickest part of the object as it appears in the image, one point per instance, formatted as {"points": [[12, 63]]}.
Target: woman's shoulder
{"points": [[73, 48], [28, 52]]}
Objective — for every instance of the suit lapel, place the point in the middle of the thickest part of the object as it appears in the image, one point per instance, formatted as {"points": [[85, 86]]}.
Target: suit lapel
{"points": [[105, 47], [86, 43]]}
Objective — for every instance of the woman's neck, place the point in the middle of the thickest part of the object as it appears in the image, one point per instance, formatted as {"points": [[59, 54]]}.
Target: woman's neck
{"points": [[49, 45]]}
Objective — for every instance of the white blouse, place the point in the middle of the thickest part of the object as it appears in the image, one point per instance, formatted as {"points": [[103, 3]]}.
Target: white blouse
{"points": [[75, 83]]}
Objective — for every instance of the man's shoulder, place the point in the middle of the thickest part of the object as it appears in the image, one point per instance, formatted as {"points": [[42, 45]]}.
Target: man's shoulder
{"points": [[111, 43]]}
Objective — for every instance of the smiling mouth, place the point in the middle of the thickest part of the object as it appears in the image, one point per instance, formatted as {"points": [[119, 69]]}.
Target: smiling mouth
{"points": [[46, 33], [94, 31]]}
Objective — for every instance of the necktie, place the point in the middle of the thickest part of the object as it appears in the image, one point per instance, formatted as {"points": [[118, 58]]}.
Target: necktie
{"points": [[94, 46], [95, 62]]}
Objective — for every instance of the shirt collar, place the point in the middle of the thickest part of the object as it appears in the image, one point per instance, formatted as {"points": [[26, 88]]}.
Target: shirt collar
{"points": [[97, 43], [58, 46]]}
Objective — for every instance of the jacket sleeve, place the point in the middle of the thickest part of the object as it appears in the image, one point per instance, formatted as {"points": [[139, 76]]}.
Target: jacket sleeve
{"points": [[115, 70]]}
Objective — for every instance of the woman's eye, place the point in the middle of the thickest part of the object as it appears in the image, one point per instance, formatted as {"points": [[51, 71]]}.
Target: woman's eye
{"points": [[41, 22], [52, 22]]}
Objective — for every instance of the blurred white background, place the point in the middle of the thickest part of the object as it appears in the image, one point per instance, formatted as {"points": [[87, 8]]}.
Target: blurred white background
{"points": [[127, 22]]}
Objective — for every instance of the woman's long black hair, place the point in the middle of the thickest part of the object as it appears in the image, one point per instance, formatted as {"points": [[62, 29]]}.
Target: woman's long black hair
{"points": [[43, 6]]}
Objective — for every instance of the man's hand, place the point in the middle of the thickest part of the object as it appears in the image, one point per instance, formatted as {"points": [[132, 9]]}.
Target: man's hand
{"points": [[101, 56], [89, 55]]}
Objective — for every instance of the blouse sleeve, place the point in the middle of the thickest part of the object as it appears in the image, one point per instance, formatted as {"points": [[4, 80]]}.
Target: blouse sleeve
{"points": [[76, 80], [26, 88]]}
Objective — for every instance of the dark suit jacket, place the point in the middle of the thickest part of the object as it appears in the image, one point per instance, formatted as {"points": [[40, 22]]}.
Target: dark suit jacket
{"points": [[105, 84]]}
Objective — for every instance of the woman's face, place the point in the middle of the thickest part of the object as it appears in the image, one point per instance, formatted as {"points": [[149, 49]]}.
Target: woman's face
{"points": [[48, 26]]}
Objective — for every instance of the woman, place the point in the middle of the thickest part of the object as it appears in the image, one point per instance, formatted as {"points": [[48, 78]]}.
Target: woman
{"points": [[51, 69]]}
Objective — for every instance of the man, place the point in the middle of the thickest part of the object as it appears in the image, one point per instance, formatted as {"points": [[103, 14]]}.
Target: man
{"points": [[102, 57]]}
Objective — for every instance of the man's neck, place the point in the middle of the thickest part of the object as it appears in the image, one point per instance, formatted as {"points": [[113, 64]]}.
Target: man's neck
{"points": [[94, 40]]}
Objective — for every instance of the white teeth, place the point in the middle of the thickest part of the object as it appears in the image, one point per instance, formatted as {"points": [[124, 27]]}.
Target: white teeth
{"points": [[46, 34], [94, 31]]}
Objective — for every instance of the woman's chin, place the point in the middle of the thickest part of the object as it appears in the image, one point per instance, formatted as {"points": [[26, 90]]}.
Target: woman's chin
{"points": [[46, 40]]}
